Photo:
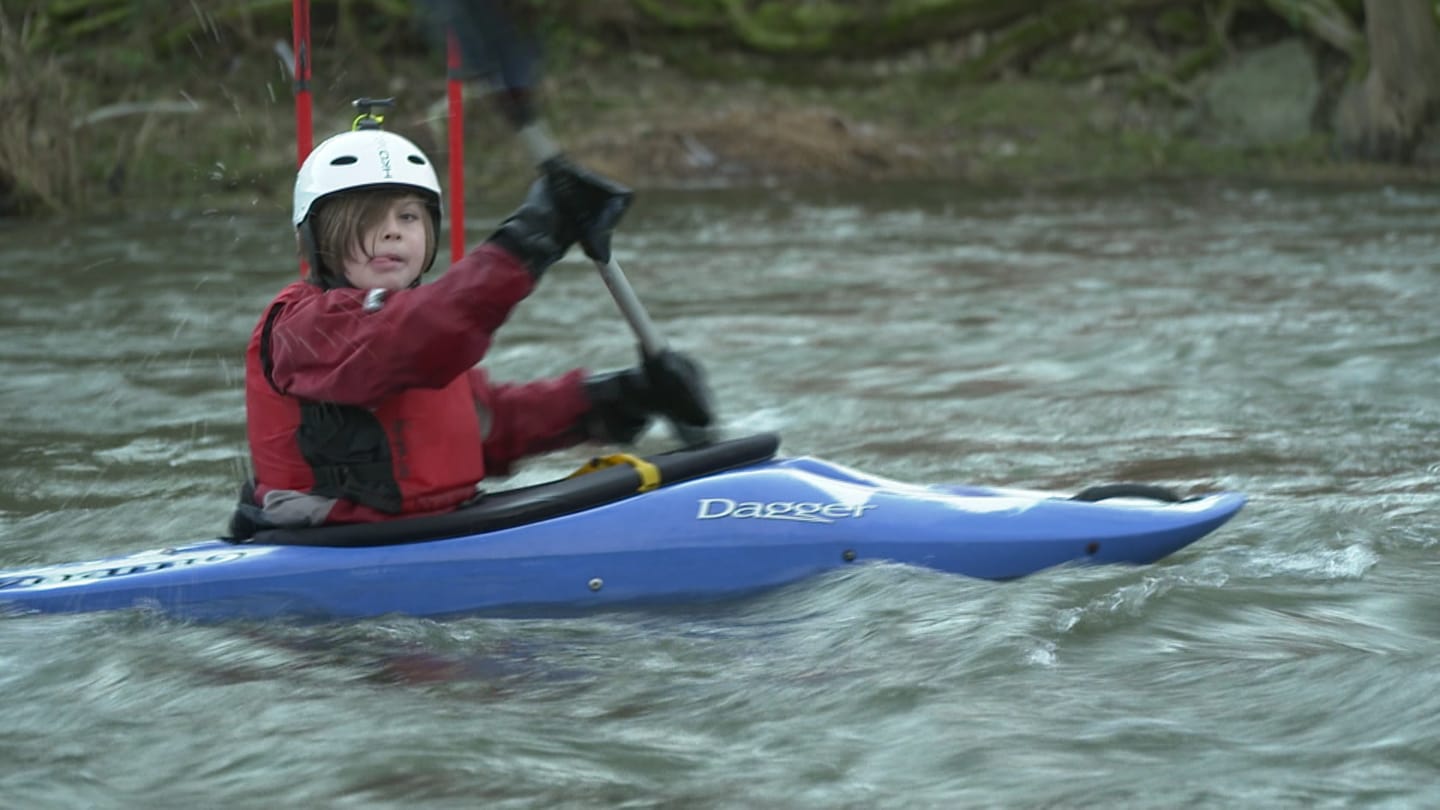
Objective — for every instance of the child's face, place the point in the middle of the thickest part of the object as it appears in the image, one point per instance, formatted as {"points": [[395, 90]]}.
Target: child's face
{"points": [[394, 249]]}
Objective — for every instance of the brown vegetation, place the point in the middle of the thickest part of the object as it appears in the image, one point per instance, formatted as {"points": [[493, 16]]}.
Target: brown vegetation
{"points": [[39, 145]]}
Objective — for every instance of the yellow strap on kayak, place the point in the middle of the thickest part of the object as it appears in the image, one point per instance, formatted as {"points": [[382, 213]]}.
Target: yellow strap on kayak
{"points": [[649, 473]]}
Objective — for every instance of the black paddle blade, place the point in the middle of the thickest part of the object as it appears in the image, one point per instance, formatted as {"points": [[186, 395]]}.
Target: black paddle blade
{"points": [[679, 388], [497, 43]]}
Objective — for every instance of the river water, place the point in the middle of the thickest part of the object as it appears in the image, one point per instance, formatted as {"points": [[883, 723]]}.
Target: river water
{"points": [[1278, 341]]}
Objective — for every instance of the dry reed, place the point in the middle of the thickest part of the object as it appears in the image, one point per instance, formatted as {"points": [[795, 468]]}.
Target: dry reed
{"points": [[40, 150]]}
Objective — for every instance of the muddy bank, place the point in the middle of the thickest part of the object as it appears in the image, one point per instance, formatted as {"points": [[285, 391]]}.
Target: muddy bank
{"points": [[658, 128]]}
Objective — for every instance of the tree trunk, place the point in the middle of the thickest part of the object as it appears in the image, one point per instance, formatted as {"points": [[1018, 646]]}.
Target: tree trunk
{"points": [[1326, 20], [1383, 117]]}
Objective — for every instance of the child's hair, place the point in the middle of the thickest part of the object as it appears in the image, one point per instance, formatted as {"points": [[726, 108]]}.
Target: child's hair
{"points": [[342, 220]]}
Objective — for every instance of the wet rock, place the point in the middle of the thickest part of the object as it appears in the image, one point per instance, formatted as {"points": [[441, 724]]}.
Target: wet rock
{"points": [[1262, 98]]}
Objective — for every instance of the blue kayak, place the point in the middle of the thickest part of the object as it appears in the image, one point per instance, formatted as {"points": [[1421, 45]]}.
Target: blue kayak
{"points": [[690, 526]]}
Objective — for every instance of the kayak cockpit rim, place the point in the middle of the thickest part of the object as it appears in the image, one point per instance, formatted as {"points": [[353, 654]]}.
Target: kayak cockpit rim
{"points": [[523, 505]]}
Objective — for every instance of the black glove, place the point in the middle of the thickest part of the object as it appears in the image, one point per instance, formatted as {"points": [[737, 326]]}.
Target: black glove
{"points": [[619, 406], [567, 204], [537, 232], [591, 204], [677, 388], [622, 402]]}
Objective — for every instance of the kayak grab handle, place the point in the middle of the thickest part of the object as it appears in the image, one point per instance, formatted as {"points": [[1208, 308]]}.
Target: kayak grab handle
{"points": [[649, 473]]}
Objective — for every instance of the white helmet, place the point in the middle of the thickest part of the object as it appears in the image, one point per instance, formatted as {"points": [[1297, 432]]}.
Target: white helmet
{"points": [[362, 158], [359, 159]]}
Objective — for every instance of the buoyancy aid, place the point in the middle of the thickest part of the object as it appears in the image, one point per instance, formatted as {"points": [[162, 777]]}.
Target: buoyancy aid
{"points": [[417, 452]]}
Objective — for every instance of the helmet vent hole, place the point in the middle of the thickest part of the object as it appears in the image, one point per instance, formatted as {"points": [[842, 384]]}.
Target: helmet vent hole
{"points": [[417, 160], [344, 160]]}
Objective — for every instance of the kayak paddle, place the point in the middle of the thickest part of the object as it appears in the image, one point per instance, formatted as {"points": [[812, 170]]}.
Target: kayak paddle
{"points": [[493, 45]]}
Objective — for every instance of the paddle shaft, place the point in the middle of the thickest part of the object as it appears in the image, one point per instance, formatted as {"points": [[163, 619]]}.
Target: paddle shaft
{"points": [[495, 47], [485, 37], [542, 147]]}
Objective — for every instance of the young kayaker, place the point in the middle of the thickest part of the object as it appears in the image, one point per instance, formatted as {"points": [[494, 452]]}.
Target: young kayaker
{"points": [[363, 399]]}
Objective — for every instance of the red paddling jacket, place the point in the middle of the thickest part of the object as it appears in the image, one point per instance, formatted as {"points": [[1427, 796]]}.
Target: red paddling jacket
{"points": [[364, 405]]}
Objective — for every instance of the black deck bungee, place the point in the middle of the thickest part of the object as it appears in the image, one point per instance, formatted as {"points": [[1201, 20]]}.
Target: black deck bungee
{"points": [[516, 507]]}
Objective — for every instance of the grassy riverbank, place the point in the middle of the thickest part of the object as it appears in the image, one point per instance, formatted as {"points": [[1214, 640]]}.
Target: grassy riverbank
{"points": [[213, 132]]}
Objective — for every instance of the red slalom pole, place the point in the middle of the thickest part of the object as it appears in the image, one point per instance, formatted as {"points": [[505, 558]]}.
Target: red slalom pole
{"points": [[455, 92], [300, 26], [304, 126]]}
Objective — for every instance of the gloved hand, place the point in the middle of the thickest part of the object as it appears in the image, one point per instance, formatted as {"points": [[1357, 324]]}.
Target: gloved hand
{"points": [[677, 388], [669, 384], [592, 204], [537, 232], [619, 406], [565, 205]]}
